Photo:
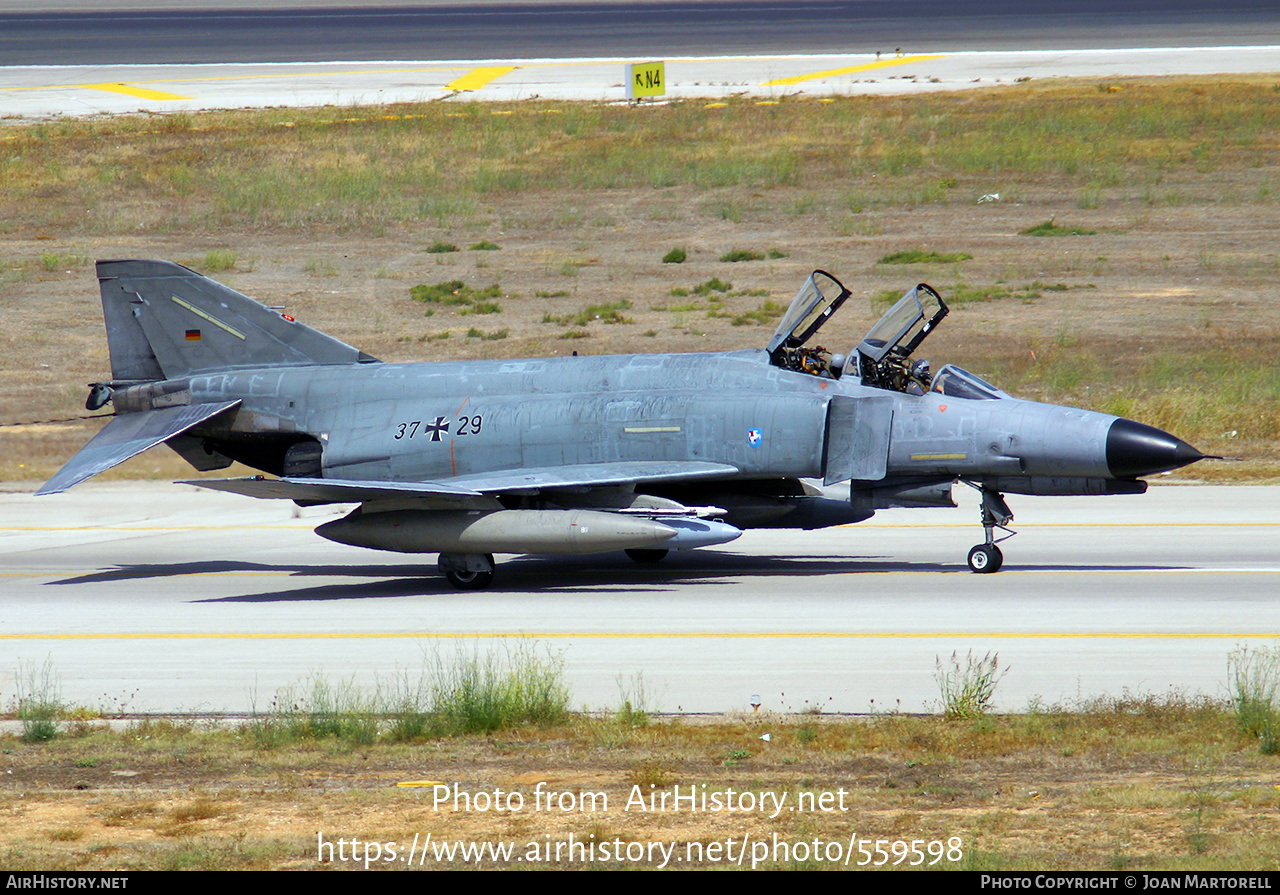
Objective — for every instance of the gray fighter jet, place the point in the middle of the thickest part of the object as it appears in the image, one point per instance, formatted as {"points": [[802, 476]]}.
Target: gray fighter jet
{"points": [[642, 453]]}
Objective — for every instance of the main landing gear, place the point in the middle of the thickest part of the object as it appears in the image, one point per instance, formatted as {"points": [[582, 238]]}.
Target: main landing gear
{"points": [[468, 571], [986, 558]]}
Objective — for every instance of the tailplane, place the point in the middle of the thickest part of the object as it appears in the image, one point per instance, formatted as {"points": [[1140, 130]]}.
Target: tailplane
{"points": [[165, 321]]}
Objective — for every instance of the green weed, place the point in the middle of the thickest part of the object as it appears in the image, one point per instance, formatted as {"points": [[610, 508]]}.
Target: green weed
{"points": [[610, 312], [715, 284], [318, 710], [219, 260], [40, 705], [636, 701], [967, 686], [766, 313], [481, 307], [1254, 679], [476, 692], [316, 267], [458, 294], [675, 256], [1049, 228], [920, 256], [469, 692], [737, 255]]}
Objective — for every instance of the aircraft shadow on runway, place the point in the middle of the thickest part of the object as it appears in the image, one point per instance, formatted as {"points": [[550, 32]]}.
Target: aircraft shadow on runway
{"points": [[550, 575]]}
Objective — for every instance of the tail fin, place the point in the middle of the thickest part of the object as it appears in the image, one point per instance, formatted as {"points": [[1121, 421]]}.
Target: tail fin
{"points": [[165, 321]]}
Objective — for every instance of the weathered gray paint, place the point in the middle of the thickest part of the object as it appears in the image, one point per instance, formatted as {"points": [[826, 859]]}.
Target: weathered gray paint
{"points": [[480, 457]]}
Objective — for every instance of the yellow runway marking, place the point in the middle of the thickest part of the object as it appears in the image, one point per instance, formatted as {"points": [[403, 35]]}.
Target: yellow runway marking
{"points": [[130, 90], [259, 77], [836, 72], [474, 80], [672, 635]]}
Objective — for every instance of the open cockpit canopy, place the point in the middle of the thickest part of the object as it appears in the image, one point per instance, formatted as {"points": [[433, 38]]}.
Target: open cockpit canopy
{"points": [[881, 359], [884, 353], [818, 299]]}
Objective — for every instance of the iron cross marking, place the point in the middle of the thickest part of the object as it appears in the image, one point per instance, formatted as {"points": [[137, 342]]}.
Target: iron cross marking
{"points": [[437, 428]]}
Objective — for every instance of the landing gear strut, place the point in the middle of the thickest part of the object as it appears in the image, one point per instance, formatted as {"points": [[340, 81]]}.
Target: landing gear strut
{"points": [[986, 558], [468, 571]]}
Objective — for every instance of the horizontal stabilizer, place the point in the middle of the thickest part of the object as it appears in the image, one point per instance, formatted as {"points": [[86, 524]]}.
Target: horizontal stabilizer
{"points": [[586, 475], [127, 435]]}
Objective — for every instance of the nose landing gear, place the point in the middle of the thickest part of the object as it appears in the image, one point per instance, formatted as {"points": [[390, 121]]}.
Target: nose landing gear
{"points": [[986, 558]]}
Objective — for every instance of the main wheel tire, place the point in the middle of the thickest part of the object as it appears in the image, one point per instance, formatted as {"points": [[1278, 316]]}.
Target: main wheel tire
{"points": [[651, 555], [985, 559], [468, 580]]}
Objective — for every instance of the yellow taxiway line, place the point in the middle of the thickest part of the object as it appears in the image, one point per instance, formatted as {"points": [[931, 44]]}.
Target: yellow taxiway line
{"points": [[474, 80], [836, 72], [130, 90]]}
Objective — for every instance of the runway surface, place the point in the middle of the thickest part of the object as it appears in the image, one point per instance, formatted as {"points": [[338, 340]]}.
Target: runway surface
{"points": [[115, 56], [272, 32], [166, 598], [42, 92]]}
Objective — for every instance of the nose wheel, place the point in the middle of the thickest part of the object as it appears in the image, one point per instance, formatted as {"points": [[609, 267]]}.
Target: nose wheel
{"points": [[986, 558]]}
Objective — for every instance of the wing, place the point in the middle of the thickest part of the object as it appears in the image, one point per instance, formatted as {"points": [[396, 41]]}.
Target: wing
{"points": [[469, 488]]}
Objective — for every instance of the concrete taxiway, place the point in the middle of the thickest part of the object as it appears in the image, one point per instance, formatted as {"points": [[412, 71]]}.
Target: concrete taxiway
{"points": [[46, 91], [150, 597]]}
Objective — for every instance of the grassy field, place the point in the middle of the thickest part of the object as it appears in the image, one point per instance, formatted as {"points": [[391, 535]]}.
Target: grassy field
{"points": [[1107, 244], [1135, 782]]}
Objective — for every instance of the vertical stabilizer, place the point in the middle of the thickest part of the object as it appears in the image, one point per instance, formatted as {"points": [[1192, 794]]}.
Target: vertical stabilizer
{"points": [[165, 321]]}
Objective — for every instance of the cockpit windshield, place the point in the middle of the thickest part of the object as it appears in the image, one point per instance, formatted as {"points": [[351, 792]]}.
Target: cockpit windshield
{"points": [[954, 382]]}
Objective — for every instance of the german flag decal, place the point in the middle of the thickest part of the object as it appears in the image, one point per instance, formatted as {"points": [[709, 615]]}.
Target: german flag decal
{"points": [[193, 335]]}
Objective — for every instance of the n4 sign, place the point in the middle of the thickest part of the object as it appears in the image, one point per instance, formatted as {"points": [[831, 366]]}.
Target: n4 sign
{"points": [[646, 79]]}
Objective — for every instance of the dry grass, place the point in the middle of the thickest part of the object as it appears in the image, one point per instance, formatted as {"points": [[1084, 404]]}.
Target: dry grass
{"points": [[1167, 313], [1135, 782]]}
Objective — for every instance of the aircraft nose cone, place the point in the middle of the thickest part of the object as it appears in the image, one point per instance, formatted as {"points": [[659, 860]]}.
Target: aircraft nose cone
{"points": [[1135, 449]]}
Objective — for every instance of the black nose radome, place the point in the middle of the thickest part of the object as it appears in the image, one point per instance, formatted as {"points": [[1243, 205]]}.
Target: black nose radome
{"points": [[1134, 450]]}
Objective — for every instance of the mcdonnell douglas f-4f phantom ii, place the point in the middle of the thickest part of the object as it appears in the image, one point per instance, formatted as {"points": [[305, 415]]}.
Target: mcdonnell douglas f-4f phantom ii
{"points": [[642, 453]]}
